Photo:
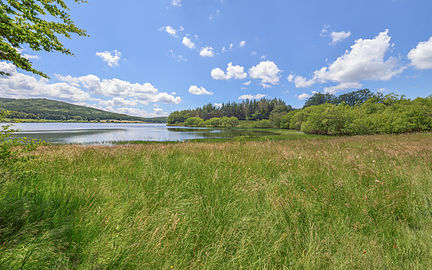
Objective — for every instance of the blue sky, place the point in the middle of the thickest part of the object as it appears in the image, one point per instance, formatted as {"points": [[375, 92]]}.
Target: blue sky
{"points": [[150, 58]]}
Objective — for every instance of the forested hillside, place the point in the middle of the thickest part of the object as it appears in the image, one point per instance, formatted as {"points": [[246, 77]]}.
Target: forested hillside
{"points": [[44, 109]]}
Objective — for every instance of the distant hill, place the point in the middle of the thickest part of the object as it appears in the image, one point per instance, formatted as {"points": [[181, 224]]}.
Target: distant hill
{"points": [[45, 109]]}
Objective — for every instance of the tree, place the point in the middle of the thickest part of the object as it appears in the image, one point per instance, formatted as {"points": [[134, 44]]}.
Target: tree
{"points": [[319, 98], [355, 97], [21, 24]]}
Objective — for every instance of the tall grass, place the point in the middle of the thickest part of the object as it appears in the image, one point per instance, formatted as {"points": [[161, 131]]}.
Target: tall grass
{"points": [[340, 203]]}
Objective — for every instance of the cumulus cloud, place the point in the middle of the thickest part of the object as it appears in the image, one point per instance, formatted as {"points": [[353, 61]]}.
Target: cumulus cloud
{"points": [[170, 30], [303, 96], [251, 97], [108, 94], [242, 44], [19, 85], [207, 52], [247, 83], [111, 58], [421, 56], [339, 36], [195, 90], [266, 71], [144, 93], [188, 43], [291, 78], [365, 61], [233, 72]]}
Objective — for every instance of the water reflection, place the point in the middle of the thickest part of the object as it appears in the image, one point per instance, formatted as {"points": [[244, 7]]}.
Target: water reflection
{"points": [[95, 133]]}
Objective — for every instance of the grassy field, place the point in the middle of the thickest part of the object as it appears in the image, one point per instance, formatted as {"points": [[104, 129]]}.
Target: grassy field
{"points": [[337, 203]]}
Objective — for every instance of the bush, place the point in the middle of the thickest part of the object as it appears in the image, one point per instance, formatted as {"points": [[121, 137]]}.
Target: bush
{"points": [[194, 122], [327, 119], [229, 122], [377, 115], [286, 119], [213, 122]]}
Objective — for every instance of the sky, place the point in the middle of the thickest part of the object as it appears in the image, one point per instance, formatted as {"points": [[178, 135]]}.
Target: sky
{"points": [[149, 58]]}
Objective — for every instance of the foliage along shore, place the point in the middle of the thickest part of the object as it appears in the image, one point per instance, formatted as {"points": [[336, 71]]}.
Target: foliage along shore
{"points": [[356, 113]]}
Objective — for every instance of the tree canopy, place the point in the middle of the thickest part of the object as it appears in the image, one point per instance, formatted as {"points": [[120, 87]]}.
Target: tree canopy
{"points": [[37, 24], [351, 98]]}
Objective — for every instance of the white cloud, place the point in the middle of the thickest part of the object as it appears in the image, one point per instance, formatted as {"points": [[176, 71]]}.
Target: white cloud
{"points": [[111, 58], [233, 72], [157, 112], [19, 85], [31, 57], [339, 36], [195, 90], [303, 96], [302, 81], [144, 93], [108, 94], [188, 43], [266, 71], [247, 83], [365, 61], [251, 97], [231, 46], [170, 30], [421, 56], [342, 86], [207, 52], [291, 78], [176, 3], [218, 105], [242, 44]]}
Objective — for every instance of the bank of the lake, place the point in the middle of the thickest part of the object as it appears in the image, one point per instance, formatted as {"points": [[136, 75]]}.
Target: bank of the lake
{"points": [[341, 203]]}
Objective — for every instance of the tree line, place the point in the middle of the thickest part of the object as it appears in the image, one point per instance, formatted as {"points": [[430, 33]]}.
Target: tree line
{"points": [[353, 113], [245, 110], [379, 114]]}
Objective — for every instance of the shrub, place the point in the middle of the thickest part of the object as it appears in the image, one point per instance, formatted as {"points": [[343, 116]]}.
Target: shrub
{"points": [[286, 119], [194, 122], [328, 119], [213, 122], [229, 122]]}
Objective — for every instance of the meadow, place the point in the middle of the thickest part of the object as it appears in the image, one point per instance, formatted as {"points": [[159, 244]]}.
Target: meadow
{"points": [[362, 202]]}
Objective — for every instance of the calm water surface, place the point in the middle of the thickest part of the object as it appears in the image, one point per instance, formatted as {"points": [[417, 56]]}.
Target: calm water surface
{"points": [[106, 133]]}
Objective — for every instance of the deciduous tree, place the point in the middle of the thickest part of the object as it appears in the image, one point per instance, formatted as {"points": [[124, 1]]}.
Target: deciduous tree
{"points": [[36, 24]]}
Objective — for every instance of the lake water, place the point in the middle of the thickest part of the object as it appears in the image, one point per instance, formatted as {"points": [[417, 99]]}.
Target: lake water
{"points": [[107, 133]]}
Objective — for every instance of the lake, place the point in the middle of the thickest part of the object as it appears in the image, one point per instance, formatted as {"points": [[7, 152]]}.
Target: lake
{"points": [[108, 133]]}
